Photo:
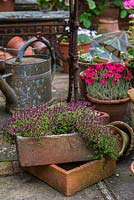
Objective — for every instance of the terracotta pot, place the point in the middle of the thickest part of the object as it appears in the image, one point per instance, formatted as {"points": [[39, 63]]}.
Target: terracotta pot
{"points": [[7, 5], [117, 109], [107, 25], [103, 117], [64, 48], [122, 137], [111, 12], [129, 131], [65, 66], [39, 47], [131, 97], [15, 43], [82, 84], [73, 177], [132, 167], [3, 56]]}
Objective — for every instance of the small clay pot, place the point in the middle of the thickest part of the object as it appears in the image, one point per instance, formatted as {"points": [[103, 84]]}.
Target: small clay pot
{"points": [[123, 138], [3, 56], [132, 167], [108, 25], [129, 131], [7, 5], [39, 47], [14, 45], [64, 48]]}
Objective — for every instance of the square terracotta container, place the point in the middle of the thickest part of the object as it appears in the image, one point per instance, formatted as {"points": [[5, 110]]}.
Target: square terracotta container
{"points": [[70, 178], [52, 150]]}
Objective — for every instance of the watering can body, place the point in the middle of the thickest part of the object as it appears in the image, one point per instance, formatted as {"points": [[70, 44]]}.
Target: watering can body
{"points": [[30, 79]]}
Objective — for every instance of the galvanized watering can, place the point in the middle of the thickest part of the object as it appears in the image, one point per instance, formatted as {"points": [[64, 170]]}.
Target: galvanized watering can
{"points": [[27, 79]]}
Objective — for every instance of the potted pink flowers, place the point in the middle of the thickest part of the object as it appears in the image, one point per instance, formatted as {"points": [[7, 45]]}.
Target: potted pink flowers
{"points": [[108, 84]]}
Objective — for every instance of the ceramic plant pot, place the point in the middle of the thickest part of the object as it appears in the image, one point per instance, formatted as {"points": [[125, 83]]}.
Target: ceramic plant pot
{"points": [[107, 25], [117, 109], [39, 47], [123, 138], [64, 48], [131, 97], [132, 167], [129, 131], [14, 45], [7, 5]]}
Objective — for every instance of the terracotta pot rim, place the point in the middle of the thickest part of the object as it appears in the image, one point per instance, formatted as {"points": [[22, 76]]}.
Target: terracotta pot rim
{"points": [[132, 167], [108, 20], [119, 124], [125, 139], [94, 100], [14, 40], [67, 43], [129, 130], [85, 64], [88, 63]]}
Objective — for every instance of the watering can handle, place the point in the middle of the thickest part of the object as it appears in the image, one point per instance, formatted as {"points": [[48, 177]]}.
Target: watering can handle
{"points": [[47, 43]]}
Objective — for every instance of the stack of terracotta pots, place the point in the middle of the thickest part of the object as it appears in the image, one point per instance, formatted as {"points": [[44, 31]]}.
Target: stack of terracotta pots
{"points": [[13, 46], [16, 43]]}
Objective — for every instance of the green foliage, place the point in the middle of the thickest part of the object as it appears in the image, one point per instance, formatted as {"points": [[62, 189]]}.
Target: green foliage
{"points": [[104, 144], [118, 3], [53, 4], [83, 38], [85, 19], [123, 12], [88, 58], [116, 91], [91, 4], [95, 9]]}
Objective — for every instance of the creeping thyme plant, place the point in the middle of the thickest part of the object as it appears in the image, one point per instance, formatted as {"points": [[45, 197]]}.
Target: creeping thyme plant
{"points": [[59, 118], [102, 141], [64, 118]]}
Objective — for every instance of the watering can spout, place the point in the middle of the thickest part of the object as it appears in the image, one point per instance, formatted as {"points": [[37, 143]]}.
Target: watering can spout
{"points": [[7, 91]]}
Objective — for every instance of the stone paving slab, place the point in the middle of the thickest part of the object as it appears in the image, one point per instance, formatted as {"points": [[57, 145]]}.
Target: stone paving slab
{"points": [[122, 183], [26, 187]]}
